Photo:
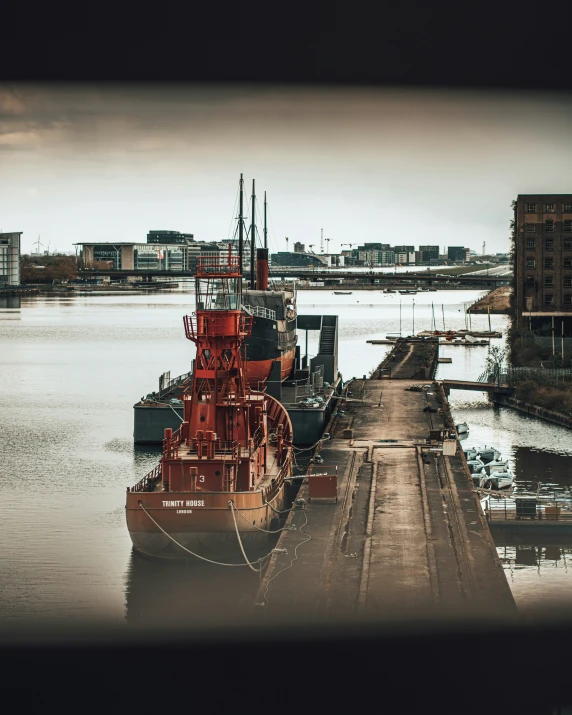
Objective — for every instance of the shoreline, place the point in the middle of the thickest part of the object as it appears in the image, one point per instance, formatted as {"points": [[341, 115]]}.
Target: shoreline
{"points": [[496, 302]]}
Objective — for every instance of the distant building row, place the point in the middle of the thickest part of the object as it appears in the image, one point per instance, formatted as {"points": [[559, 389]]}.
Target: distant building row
{"points": [[175, 251], [373, 254], [164, 251]]}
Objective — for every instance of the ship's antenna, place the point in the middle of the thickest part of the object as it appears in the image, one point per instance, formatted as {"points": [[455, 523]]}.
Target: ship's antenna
{"points": [[241, 225], [252, 237], [265, 226]]}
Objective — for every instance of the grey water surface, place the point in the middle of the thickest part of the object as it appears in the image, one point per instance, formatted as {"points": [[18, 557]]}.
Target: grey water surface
{"points": [[71, 368]]}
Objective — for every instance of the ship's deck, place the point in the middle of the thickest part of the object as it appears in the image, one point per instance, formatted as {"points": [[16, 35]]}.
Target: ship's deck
{"points": [[272, 466]]}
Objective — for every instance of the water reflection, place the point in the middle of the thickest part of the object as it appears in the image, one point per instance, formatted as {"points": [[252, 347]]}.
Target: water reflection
{"points": [[159, 594], [71, 370], [538, 570], [10, 307]]}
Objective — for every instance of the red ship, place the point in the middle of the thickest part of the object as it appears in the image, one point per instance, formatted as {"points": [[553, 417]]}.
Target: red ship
{"points": [[220, 486]]}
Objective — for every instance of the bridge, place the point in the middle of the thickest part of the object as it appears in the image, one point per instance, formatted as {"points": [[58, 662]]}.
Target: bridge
{"points": [[407, 279], [476, 386]]}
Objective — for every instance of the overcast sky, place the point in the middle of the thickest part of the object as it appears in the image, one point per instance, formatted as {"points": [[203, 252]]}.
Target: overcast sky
{"points": [[109, 163]]}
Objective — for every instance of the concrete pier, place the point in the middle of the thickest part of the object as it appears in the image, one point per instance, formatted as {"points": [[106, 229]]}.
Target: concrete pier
{"points": [[406, 538]]}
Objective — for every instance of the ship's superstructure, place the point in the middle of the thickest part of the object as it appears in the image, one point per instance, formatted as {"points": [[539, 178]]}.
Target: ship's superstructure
{"points": [[220, 484]]}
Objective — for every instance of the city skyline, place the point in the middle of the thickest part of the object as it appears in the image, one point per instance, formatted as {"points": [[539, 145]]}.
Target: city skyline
{"points": [[110, 163]]}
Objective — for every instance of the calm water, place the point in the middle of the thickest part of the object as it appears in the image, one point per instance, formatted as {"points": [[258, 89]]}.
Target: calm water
{"points": [[71, 369]]}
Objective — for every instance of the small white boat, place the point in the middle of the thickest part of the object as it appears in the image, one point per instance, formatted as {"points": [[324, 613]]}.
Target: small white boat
{"points": [[342, 292], [488, 454], [476, 466], [496, 465], [500, 479], [471, 453], [462, 428]]}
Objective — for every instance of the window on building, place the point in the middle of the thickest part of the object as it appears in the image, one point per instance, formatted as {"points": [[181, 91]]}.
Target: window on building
{"points": [[567, 281], [549, 262], [530, 208], [568, 263], [549, 226], [568, 300], [567, 245], [548, 299], [530, 244], [530, 263], [568, 226], [548, 208], [568, 208], [531, 228], [549, 244], [548, 281]]}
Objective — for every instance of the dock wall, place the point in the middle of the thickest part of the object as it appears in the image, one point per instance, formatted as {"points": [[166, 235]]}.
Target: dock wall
{"points": [[532, 410]]}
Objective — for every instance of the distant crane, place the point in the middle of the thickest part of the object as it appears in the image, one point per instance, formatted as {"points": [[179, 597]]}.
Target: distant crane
{"points": [[484, 246], [348, 244], [327, 240], [287, 239], [322, 239], [311, 246]]}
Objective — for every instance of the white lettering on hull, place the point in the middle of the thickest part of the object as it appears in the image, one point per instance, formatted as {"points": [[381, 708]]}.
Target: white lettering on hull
{"points": [[181, 502]]}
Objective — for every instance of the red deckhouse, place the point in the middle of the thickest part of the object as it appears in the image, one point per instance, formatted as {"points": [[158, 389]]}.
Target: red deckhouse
{"points": [[233, 450]]}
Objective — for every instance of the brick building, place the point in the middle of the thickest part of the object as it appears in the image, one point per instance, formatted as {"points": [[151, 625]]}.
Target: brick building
{"points": [[543, 262]]}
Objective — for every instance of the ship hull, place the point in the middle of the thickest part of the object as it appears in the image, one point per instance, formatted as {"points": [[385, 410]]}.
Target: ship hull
{"points": [[259, 370], [206, 530], [266, 345]]}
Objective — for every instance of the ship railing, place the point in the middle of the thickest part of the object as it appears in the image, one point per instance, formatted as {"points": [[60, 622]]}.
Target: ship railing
{"points": [[215, 325], [218, 265], [311, 386], [270, 492], [147, 484], [165, 384], [260, 312], [222, 448]]}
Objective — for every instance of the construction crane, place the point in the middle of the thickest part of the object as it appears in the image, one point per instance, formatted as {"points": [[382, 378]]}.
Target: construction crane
{"points": [[322, 239], [347, 244], [484, 246], [327, 240], [311, 246], [287, 239]]}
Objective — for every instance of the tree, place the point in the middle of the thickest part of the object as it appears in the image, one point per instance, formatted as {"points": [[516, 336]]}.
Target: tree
{"points": [[495, 363]]}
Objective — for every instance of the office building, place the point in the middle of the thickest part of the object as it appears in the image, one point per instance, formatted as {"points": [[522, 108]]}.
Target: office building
{"points": [[543, 261], [10, 259], [456, 254], [429, 254], [164, 251]]}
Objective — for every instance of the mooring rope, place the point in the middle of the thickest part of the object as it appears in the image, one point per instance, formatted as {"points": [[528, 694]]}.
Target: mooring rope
{"points": [[250, 566], [266, 531], [203, 558]]}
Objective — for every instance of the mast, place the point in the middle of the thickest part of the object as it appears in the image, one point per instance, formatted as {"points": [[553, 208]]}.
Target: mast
{"points": [[252, 237], [265, 226], [241, 225]]}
